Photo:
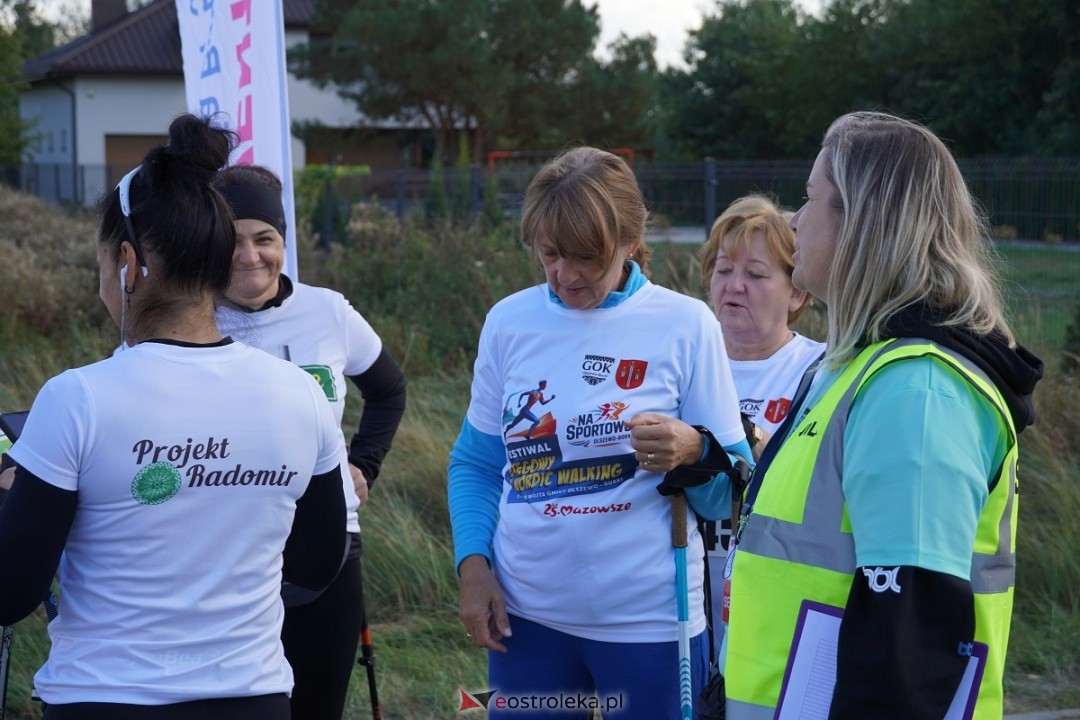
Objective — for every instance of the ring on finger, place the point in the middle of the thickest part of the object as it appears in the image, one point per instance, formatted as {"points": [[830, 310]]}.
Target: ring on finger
{"points": [[649, 458]]}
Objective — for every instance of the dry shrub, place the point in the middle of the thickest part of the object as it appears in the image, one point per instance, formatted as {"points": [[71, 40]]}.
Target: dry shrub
{"points": [[1004, 232], [425, 290], [48, 275]]}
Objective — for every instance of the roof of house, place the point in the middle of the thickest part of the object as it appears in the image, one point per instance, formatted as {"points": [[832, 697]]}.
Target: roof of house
{"points": [[144, 42]]}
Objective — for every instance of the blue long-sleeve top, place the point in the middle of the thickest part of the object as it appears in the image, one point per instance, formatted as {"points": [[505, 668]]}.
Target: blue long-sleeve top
{"points": [[477, 459]]}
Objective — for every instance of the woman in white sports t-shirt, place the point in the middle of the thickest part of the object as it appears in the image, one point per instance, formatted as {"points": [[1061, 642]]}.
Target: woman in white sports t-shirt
{"points": [[172, 491], [746, 268], [319, 330], [562, 540]]}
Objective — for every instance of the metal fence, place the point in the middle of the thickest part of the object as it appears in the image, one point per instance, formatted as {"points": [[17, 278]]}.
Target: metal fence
{"points": [[1025, 198], [1034, 202]]}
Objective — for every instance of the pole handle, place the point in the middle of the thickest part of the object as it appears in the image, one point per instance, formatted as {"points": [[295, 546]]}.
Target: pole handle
{"points": [[678, 520]]}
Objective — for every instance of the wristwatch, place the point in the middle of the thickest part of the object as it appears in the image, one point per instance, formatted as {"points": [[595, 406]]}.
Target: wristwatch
{"points": [[753, 432]]}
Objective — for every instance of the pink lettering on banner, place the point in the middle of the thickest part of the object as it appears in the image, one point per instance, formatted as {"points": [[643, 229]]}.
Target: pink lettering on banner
{"points": [[241, 8], [245, 69], [245, 120], [245, 130]]}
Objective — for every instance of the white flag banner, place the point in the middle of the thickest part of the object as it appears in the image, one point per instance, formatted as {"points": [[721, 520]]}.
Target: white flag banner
{"points": [[234, 70]]}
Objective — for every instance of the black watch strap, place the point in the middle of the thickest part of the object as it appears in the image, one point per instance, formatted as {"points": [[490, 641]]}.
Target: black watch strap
{"points": [[716, 459]]}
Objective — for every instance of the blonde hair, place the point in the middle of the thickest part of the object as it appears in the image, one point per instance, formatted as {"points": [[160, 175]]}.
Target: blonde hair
{"points": [[735, 228], [910, 233], [586, 202]]}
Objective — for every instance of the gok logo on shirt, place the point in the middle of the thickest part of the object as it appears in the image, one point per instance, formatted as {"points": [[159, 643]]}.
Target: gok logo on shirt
{"points": [[595, 369]]}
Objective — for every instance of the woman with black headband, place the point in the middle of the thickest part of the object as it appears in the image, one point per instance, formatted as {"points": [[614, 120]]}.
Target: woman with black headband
{"points": [[319, 330], [172, 490]]}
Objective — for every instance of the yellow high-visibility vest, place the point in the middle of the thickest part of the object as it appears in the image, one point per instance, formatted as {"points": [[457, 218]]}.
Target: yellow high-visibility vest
{"points": [[797, 544]]}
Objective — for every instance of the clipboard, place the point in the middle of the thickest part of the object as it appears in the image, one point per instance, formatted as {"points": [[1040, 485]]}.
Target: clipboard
{"points": [[810, 675], [12, 423]]}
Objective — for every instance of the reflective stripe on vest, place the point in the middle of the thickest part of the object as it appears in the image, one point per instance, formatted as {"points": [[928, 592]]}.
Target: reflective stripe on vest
{"points": [[797, 544]]}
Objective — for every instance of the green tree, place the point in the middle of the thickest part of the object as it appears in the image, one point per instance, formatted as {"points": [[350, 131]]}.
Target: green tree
{"points": [[976, 70], [505, 70], [34, 33], [1057, 123], [730, 102], [835, 67], [765, 79], [12, 127], [990, 76], [615, 103], [24, 34]]}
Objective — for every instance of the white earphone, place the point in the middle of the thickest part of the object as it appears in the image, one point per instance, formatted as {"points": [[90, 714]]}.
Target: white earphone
{"points": [[123, 275]]}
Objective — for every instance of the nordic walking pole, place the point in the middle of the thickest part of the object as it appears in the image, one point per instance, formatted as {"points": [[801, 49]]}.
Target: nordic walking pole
{"points": [[5, 659], [367, 659], [367, 654], [682, 596]]}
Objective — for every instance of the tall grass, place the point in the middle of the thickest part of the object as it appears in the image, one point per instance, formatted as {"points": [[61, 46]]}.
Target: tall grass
{"points": [[426, 292], [1044, 651]]}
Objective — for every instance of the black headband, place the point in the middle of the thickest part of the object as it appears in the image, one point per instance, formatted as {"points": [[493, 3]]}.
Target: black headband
{"points": [[256, 202]]}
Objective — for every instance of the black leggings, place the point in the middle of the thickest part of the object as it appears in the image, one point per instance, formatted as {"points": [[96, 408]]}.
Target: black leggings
{"points": [[260, 707], [320, 641]]}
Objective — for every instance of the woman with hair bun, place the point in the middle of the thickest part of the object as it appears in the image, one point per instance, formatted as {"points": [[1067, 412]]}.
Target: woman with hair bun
{"points": [[172, 491]]}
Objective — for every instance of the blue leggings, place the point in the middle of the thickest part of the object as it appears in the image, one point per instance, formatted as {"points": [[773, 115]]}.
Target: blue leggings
{"points": [[549, 674]]}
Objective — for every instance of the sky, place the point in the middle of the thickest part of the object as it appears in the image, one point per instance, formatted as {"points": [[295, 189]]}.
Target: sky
{"points": [[667, 20]]}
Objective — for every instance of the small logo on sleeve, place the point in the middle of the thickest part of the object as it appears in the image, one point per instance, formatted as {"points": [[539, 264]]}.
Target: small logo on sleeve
{"points": [[882, 579]]}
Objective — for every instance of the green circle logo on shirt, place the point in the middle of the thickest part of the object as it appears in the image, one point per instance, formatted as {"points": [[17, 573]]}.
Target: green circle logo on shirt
{"points": [[156, 483]]}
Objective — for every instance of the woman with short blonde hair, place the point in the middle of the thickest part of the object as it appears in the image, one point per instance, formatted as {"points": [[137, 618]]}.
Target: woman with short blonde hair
{"points": [[734, 231]]}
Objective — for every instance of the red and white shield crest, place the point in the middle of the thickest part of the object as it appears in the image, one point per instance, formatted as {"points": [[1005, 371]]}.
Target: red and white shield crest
{"points": [[630, 373], [777, 410]]}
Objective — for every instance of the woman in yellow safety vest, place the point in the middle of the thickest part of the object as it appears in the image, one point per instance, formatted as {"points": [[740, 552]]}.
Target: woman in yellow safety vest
{"points": [[873, 575]]}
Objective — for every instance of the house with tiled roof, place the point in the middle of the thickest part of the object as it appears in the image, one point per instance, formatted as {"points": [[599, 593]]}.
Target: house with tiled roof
{"points": [[100, 101]]}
